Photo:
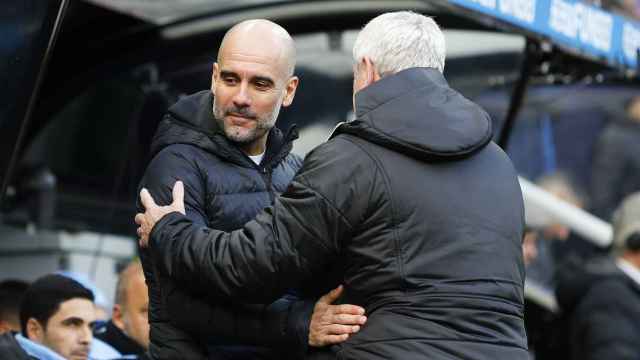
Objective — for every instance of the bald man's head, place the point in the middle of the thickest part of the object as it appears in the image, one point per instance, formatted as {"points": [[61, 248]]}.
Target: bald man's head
{"points": [[264, 37], [252, 79], [130, 311]]}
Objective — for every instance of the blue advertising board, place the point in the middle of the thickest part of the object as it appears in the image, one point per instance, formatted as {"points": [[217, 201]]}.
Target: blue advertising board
{"points": [[571, 24]]}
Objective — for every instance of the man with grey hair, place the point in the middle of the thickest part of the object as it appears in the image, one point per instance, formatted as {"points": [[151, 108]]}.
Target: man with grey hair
{"points": [[603, 299], [411, 206], [399, 41]]}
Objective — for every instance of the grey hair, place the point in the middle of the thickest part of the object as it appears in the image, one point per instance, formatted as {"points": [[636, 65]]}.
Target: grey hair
{"points": [[401, 40]]}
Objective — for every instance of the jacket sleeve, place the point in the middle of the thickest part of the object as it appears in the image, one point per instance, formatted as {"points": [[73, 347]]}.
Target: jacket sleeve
{"points": [[294, 240], [169, 165], [282, 325], [269, 325], [262, 260]]}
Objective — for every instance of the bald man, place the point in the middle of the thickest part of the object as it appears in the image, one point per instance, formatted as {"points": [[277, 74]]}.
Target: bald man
{"points": [[223, 144], [128, 329]]}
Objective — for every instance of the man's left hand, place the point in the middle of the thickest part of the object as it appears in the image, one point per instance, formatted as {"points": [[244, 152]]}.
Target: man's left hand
{"points": [[333, 324], [153, 213]]}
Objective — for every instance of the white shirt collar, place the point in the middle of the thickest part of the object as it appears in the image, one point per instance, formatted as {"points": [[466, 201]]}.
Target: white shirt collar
{"points": [[256, 158], [631, 271]]}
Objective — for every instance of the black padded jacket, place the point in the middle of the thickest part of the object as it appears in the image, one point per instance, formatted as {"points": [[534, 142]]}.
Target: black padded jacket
{"points": [[410, 206]]}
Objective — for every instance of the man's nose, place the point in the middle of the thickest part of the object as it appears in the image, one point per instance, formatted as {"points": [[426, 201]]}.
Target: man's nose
{"points": [[86, 335], [242, 98]]}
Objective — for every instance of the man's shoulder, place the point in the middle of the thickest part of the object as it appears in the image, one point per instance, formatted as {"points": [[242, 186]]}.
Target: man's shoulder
{"points": [[346, 144], [10, 349], [174, 157], [172, 161], [342, 157], [294, 160], [613, 290], [620, 133], [179, 150]]}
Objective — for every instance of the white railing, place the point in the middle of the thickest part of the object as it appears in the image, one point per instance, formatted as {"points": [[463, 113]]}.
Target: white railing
{"points": [[590, 227]]}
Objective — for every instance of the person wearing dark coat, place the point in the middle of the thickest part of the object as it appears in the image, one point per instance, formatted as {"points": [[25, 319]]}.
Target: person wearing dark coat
{"points": [[234, 162], [116, 338], [616, 164], [128, 329], [411, 206], [11, 292], [11, 349], [602, 297]]}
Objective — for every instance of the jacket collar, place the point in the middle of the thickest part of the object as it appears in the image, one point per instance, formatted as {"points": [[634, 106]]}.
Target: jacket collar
{"points": [[415, 112], [36, 350], [191, 121], [630, 271], [393, 86], [119, 340]]}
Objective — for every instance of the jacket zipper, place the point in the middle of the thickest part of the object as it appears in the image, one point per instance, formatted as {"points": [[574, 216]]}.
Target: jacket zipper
{"points": [[266, 176], [266, 170]]}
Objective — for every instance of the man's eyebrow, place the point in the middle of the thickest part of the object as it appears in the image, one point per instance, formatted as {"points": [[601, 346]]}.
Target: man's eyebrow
{"points": [[227, 73], [72, 320]]}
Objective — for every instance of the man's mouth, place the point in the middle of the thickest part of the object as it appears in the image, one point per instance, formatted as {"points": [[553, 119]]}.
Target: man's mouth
{"points": [[80, 354], [240, 119], [242, 115]]}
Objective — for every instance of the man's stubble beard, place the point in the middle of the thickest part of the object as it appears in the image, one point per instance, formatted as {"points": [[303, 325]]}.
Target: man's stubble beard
{"points": [[263, 124]]}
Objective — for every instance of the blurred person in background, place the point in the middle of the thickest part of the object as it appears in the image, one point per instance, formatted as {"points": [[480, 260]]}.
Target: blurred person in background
{"points": [[529, 246], [602, 298], [128, 330], [616, 163], [547, 246], [627, 8], [56, 316], [547, 242], [11, 292], [103, 305]]}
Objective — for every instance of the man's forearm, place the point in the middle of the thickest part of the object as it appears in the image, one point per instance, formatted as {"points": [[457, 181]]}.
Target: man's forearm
{"points": [[241, 265], [255, 264], [248, 324]]}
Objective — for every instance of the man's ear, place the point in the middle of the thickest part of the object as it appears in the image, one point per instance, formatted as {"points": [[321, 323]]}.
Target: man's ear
{"points": [[4, 327], [371, 73], [214, 76], [117, 316], [290, 90], [35, 330]]}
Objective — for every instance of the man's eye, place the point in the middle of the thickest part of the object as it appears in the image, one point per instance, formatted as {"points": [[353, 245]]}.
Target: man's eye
{"points": [[229, 80], [263, 85]]}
